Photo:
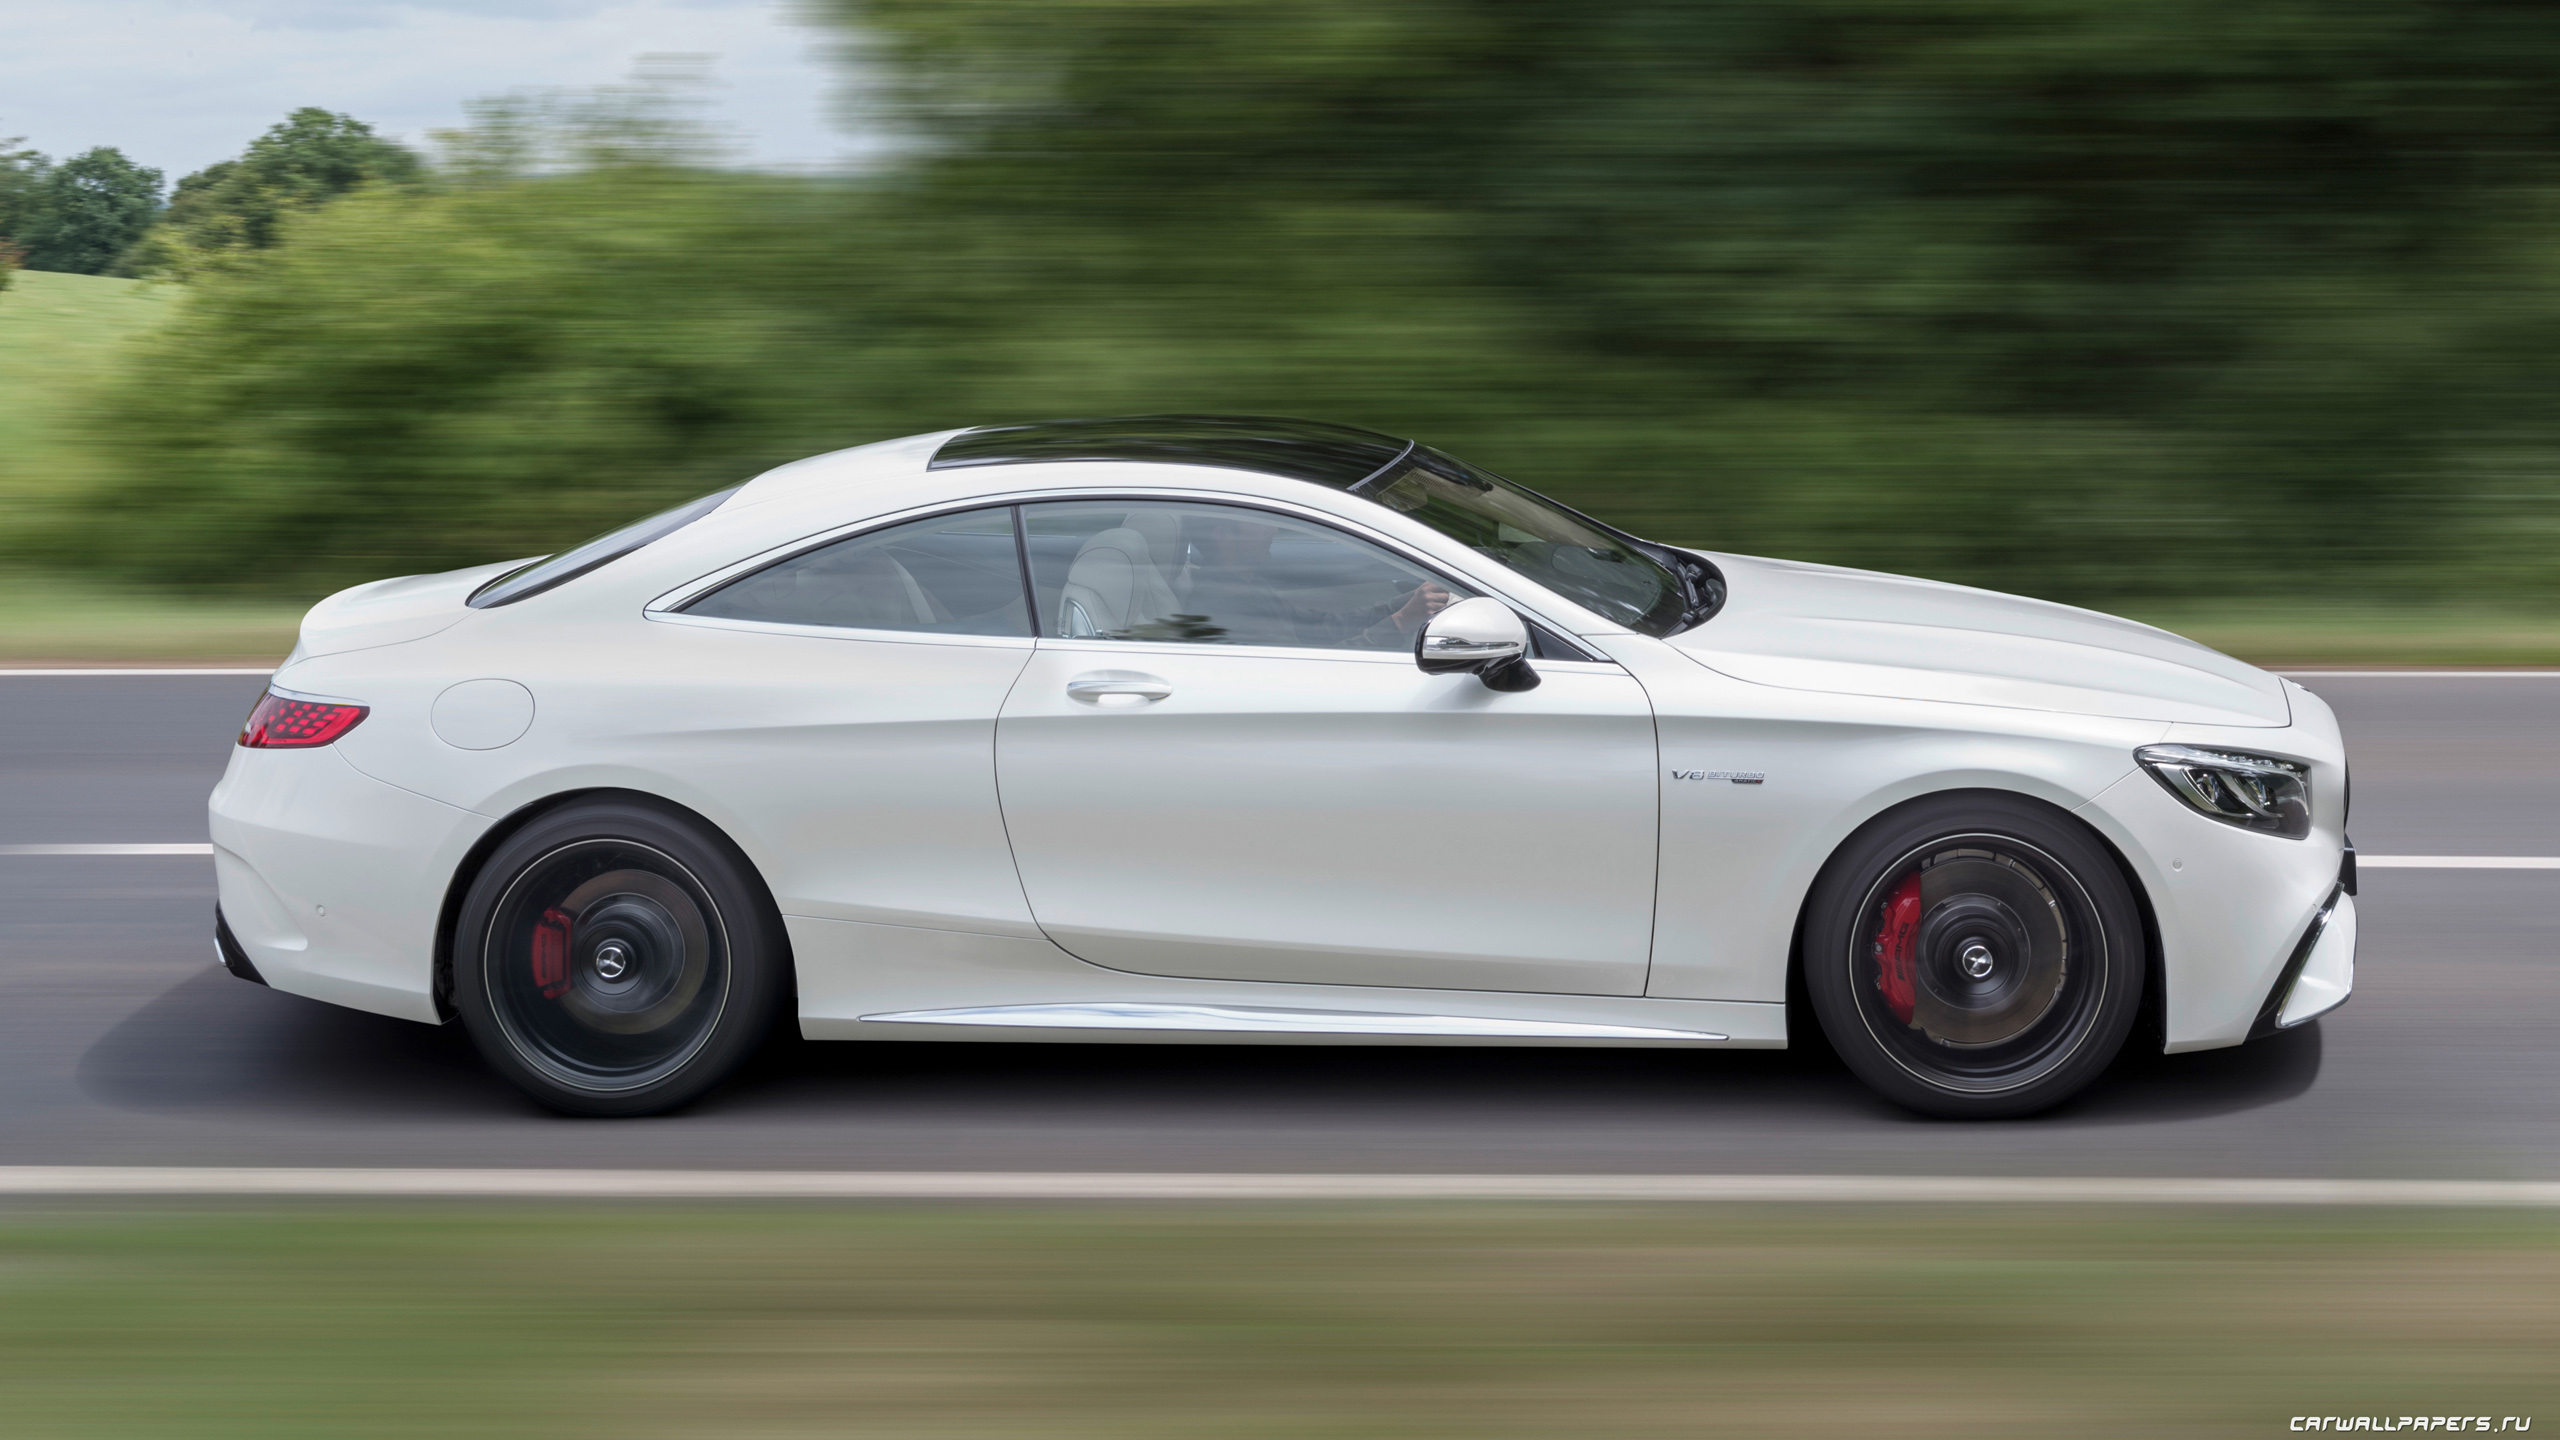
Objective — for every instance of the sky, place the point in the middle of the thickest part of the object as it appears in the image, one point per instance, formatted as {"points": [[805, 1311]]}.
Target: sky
{"points": [[179, 84]]}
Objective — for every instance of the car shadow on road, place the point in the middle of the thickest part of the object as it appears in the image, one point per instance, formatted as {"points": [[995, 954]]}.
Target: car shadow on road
{"points": [[1766, 1087], [2145, 1086], [213, 1043], [1307, 1080]]}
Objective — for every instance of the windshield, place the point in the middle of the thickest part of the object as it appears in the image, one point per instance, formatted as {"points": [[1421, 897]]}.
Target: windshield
{"points": [[1579, 558], [542, 574]]}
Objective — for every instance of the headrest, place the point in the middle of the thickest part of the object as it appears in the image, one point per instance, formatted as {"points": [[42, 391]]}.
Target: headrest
{"points": [[1162, 530]]}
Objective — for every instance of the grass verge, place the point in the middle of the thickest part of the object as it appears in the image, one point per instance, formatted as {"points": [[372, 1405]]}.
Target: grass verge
{"points": [[2281, 635], [61, 621], [1124, 1321]]}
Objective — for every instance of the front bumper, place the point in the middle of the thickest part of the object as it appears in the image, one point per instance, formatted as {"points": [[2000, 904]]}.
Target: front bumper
{"points": [[2232, 909], [2319, 975]]}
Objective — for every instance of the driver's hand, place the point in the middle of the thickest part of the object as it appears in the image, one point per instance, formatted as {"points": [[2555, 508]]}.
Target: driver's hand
{"points": [[1426, 601]]}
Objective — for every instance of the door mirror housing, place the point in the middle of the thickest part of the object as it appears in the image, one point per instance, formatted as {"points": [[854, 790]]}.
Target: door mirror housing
{"points": [[1480, 637]]}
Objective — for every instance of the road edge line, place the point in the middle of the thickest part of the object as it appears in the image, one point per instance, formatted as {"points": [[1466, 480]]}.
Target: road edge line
{"points": [[353, 1182]]}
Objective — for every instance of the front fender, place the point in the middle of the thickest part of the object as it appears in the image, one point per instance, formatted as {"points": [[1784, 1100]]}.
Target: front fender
{"points": [[1739, 859]]}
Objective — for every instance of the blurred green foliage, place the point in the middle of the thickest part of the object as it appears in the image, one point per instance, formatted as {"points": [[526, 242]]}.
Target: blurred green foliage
{"points": [[416, 383], [309, 158], [2101, 301]]}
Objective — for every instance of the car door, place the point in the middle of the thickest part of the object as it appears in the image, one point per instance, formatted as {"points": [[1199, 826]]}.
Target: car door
{"points": [[1223, 763], [843, 703]]}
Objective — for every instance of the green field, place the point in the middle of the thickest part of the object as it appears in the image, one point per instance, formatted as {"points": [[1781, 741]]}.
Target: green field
{"points": [[58, 339], [59, 335], [48, 619], [1122, 1321]]}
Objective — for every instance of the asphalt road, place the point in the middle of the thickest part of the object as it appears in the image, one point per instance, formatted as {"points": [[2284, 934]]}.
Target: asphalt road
{"points": [[120, 1043]]}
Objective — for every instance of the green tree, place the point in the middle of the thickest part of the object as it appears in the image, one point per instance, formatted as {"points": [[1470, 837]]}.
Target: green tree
{"points": [[309, 158], [21, 171], [87, 210]]}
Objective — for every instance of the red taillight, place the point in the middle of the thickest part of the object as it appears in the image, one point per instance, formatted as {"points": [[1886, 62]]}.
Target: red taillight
{"points": [[283, 723]]}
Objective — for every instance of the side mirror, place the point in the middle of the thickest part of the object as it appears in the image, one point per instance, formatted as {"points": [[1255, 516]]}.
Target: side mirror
{"points": [[1479, 637]]}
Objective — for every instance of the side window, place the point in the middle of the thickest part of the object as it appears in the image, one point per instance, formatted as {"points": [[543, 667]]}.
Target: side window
{"points": [[951, 575], [1220, 575]]}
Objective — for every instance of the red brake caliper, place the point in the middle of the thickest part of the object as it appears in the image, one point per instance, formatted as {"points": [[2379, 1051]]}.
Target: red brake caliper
{"points": [[1894, 946], [551, 956]]}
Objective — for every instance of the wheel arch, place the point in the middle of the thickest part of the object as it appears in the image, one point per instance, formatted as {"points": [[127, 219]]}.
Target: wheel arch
{"points": [[2154, 987], [474, 860]]}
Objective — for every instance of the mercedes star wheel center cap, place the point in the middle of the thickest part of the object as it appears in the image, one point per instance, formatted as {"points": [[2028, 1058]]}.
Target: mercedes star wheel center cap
{"points": [[613, 958], [1976, 960]]}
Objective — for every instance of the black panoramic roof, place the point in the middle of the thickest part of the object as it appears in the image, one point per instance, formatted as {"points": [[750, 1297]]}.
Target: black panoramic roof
{"points": [[1337, 455]]}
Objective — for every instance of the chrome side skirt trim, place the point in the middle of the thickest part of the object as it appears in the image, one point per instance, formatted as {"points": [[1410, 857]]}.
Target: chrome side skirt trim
{"points": [[1274, 1021]]}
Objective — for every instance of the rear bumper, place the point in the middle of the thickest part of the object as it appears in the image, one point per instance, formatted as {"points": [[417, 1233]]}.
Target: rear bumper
{"points": [[227, 951], [331, 882]]}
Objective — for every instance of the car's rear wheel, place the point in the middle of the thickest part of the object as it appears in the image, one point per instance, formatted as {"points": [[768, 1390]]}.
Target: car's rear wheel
{"points": [[1974, 955], [616, 958]]}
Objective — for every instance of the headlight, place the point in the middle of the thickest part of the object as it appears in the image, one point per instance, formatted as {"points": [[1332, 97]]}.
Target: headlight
{"points": [[2253, 792]]}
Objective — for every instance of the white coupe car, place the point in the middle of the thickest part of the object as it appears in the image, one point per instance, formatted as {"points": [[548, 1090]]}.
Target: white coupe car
{"points": [[1218, 730]]}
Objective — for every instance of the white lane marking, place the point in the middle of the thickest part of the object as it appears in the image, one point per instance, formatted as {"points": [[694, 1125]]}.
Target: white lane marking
{"points": [[1021, 1185], [2458, 862], [87, 674], [106, 849]]}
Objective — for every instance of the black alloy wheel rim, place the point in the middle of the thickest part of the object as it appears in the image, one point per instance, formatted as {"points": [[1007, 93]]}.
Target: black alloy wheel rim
{"points": [[1978, 963], [607, 965]]}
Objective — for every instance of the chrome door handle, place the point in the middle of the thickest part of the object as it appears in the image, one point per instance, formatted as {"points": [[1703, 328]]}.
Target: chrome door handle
{"points": [[1096, 689]]}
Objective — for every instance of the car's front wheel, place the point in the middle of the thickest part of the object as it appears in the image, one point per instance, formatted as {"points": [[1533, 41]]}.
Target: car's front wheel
{"points": [[1974, 955], [615, 958]]}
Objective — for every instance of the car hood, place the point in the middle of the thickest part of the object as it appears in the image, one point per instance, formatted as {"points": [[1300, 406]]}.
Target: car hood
{"points": [[389, 612], [1857, 632]]}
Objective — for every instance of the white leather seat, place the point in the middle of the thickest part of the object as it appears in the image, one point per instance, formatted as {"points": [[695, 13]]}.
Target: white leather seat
{"points": [[1163, 532], [1119, 579]]}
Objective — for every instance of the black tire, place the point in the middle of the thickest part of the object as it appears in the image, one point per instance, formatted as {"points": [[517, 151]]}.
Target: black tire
{"points": [[1974, 955], [617, 957]]}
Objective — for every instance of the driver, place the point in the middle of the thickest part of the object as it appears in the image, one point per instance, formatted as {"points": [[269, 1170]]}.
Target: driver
{"points": [[1226, 587]]}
